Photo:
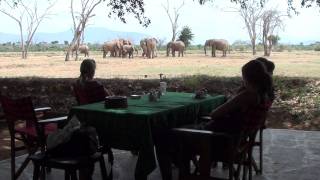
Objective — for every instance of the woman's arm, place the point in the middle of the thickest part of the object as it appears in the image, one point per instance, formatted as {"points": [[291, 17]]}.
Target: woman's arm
{"points": [[241, 101]]}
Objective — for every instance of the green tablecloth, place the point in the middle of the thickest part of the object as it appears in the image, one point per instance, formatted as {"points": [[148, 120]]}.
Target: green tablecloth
{"points": [[131, 128]]}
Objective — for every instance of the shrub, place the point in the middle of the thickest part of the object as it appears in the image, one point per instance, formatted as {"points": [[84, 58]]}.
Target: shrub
{"points": [[317, 48]]}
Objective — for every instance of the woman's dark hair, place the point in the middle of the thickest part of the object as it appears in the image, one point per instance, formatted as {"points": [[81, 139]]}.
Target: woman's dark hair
{"points": [[87, 69], [255, 73], [269, 64]]}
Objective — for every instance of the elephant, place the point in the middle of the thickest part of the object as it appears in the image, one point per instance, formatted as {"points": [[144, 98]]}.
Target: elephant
{"points": [[127, 50], [112, 46], [149, 47], [176, 46], [123, 42], [83, 48], [217, 44], [143, 45]]}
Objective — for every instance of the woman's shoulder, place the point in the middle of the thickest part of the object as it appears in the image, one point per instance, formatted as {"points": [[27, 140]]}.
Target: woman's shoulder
{"points": [[248, 96], [88, 84]]}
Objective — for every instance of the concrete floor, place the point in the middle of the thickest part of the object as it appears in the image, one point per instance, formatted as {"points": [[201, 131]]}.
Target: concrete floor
{"points": [[288, 155]]}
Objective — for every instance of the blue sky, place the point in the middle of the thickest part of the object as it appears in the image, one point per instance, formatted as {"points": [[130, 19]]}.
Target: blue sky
{"points": [[213, 20]]}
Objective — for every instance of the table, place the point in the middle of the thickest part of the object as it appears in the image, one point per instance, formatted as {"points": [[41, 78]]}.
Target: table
{"points": [[131, 128]]}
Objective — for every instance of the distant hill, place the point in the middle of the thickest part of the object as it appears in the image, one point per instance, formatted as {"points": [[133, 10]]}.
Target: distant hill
{"points": [[92, 35]]}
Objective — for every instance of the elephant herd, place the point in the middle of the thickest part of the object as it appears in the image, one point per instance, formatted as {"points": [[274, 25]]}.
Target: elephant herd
{"points": [[119, 48], [125, 48]]}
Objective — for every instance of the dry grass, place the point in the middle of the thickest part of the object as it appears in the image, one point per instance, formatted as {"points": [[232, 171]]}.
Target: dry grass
{"points": [[52, 64]]}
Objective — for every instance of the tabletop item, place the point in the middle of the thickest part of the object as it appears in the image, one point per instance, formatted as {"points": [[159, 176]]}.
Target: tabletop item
{"points": [[163, 87], [153, 96], [116, 102], [201, 94], [135, 96]]}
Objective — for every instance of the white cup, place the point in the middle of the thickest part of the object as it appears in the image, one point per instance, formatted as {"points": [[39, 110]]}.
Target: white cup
{"points": [[163, 87]]}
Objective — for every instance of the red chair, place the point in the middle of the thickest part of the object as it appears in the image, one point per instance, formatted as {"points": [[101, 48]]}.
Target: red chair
{"points": [[87, 95], [24, 125]]}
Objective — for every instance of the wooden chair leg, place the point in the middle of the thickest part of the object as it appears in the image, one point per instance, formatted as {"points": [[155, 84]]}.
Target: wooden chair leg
{"points": [[237, 171], [22, 167], [13, 158], [36, 171], [66, 175], [231, 172], [43, 173], [250, 164], [261, 152], [244, 173], [255, 166], [103, 169], [74, 175]]}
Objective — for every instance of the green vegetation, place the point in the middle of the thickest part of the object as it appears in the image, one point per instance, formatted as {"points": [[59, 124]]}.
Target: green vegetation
{"points": [[43, 47], [186, 35], [242, 46], [297, 103]]}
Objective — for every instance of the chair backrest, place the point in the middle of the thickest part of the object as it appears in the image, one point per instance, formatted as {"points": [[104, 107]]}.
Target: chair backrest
{"points": [[18, 110], [89, 94]]}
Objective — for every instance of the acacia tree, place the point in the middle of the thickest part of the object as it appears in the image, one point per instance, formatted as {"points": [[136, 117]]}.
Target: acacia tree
{"points": [[251, 14], [28, 18], [304, 3], [79, 23], [173, 17], [186, 35], [118, 8], [271, 20]]}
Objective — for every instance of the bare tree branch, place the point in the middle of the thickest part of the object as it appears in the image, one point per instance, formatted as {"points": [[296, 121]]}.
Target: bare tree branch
{"points": [[173, 18], [251, 15], [271, 20], [87, 7], [32, 19]]}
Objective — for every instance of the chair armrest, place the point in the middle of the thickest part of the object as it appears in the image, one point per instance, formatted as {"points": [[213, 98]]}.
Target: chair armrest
{"points": [[53, 120], [205, 118], [42, 109], [196, 132], [191, 131]]}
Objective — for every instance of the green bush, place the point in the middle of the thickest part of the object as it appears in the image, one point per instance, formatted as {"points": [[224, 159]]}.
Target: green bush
{"points": [[317, 48]]}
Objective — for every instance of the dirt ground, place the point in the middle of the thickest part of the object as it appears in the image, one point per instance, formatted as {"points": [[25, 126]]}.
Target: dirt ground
{"points": [[293, 64]]}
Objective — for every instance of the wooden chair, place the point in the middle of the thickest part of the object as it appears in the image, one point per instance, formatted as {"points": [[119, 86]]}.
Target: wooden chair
{"points": [[24, 125], [70, 165], [84, 96], [258, 167], [259, 143], [219, 147]]}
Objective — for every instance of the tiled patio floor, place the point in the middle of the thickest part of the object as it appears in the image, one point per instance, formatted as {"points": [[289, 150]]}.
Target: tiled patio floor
{"points": [[288, 155]]}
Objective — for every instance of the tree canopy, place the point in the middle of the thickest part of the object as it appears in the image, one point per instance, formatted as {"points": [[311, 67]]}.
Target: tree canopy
{"points": [[186, 35], [304, 3], [120, 8]]}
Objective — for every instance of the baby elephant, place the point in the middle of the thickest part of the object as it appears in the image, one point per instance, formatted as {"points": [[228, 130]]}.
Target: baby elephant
{"points": [[127, 50]]}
